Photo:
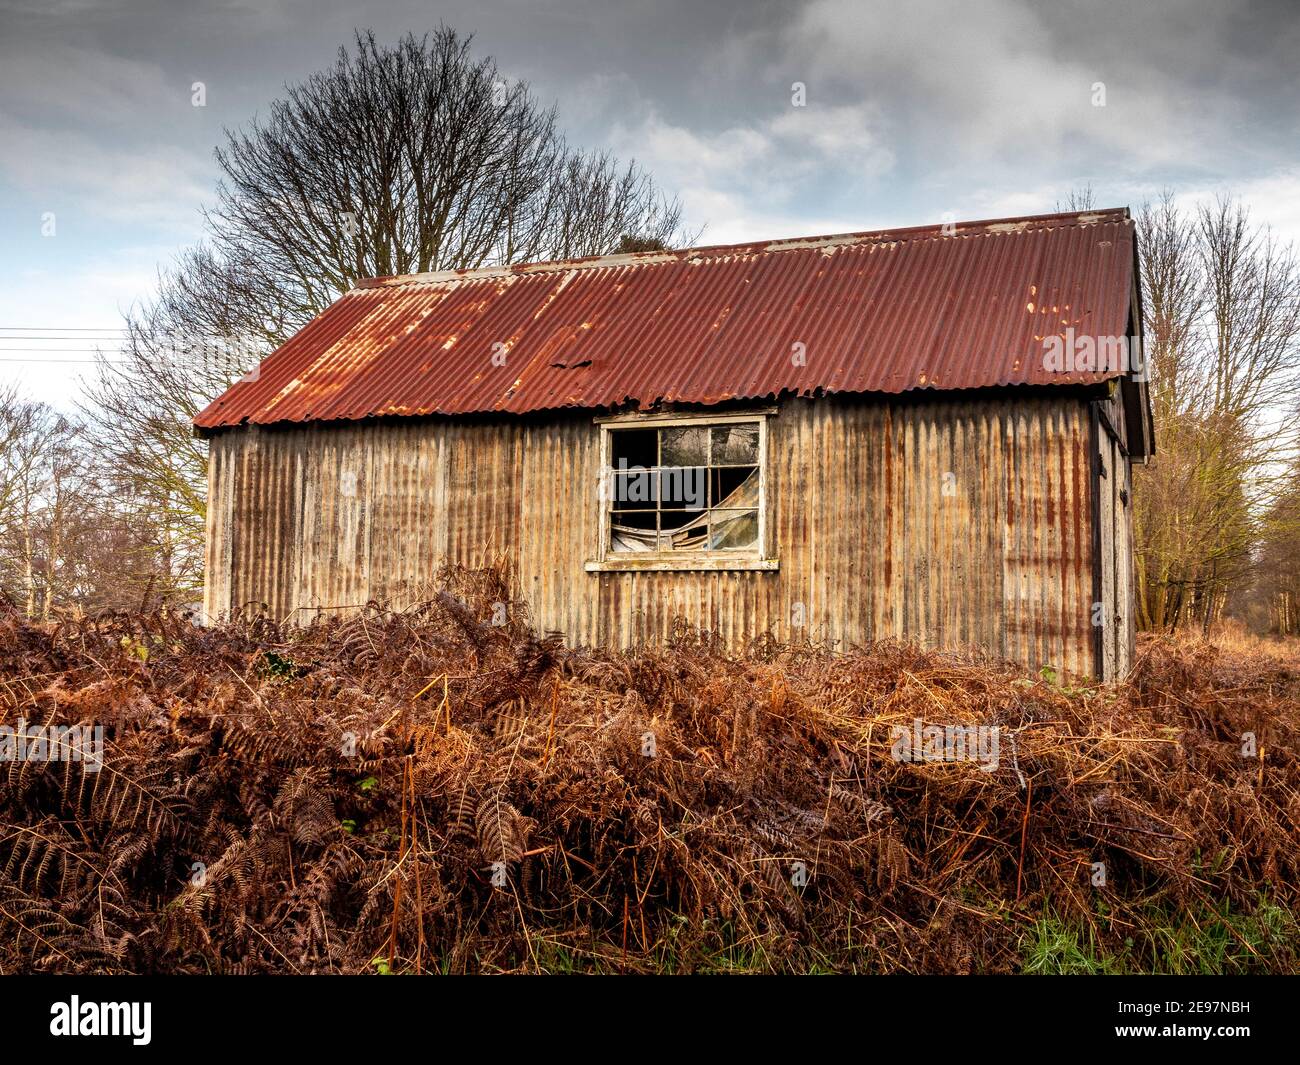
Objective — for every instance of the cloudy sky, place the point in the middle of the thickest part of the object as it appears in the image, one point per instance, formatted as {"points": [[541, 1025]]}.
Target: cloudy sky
{"points": [[915, 113]]}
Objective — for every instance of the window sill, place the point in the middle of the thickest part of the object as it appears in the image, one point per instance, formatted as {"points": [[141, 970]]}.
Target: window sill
{"points": [[674, 565]]}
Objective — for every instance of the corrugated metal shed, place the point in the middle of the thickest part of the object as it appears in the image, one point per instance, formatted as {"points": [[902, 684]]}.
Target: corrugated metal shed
{"points": [[883, 312], [872, 542]]}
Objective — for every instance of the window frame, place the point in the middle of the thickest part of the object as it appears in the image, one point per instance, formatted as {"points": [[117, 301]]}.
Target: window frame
{"points": [[605, 560]]}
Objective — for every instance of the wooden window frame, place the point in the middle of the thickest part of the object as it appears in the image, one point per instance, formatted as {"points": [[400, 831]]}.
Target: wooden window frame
{"points": [[756, 558]]}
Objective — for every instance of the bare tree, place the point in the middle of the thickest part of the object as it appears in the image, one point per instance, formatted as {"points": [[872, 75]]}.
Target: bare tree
{"points": [[140, 417], [74, 535], [1222, 323], [1276, 594], [30, 432], [1081, 198], [399, 159]]}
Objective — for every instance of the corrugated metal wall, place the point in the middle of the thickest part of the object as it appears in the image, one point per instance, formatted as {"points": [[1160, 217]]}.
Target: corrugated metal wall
{"points": [[953, 522], [1115, 494]]}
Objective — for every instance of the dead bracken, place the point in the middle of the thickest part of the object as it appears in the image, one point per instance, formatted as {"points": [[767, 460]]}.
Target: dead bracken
{"points": [[426, 791]]}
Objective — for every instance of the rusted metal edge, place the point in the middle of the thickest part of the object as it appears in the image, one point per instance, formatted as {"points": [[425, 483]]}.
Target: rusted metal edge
{"points": [[769, 404], [826, 241]]}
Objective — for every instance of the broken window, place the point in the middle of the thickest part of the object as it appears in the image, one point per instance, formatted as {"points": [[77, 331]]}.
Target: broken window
{"points": [[685, 487]]}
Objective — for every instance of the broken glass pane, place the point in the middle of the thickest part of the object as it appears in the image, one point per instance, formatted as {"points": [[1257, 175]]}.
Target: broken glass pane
{"points": [[733, 486], [735, 445], [633, 530], [691, 537], [733, 529], [684, 447]]}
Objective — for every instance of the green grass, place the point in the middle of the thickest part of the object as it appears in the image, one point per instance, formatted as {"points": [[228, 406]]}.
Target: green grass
{"points": [[1166, 940], [1209, 940]]}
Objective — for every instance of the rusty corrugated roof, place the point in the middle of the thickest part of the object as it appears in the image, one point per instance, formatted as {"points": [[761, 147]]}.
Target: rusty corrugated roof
{"points": [[874, 312]]}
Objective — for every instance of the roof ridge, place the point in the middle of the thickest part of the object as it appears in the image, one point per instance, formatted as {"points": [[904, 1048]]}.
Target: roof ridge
{"points": [[978, 227]]}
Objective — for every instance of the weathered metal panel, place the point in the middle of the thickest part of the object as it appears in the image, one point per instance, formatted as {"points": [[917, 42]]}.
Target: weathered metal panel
{"points": [[1106, 485], [886, 312], [954, 523], [217, 563], [1115, 517]]}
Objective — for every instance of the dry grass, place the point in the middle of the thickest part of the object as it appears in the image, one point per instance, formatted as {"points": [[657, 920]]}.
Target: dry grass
{"points": [[423, 791]]}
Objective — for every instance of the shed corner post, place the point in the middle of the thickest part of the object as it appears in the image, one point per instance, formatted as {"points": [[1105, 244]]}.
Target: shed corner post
{"points": [[1095, 509]]}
